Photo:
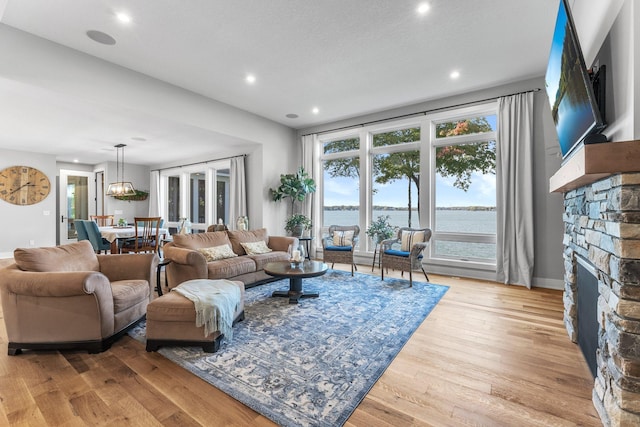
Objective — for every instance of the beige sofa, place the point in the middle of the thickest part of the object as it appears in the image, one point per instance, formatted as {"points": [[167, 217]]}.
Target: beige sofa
{"points": [[67, 297], [188, 262]]}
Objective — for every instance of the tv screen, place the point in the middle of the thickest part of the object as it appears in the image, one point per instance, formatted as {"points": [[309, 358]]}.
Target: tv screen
{"points": [[573, 105]]}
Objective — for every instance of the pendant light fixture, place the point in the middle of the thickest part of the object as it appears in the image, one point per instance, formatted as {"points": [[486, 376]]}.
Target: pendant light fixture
{"points": [[120, 187]]}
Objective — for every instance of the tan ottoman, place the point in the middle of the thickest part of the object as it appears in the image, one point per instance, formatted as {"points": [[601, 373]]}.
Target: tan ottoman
{"points": [[171, 321]]}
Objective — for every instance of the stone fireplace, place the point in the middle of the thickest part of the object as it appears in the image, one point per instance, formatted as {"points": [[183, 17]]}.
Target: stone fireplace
{"points": [[602, 231]]}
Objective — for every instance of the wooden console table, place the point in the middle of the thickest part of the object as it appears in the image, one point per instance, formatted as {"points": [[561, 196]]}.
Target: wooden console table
{"points": [[596, 161]]}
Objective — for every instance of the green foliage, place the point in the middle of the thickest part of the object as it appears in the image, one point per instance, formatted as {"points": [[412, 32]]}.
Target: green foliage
{"points": [[381, 229], [138, 196], [297, 220], [294, 186]]}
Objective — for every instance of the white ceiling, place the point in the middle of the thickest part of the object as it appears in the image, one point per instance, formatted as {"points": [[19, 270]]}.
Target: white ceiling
{"points": [[346, 57]]}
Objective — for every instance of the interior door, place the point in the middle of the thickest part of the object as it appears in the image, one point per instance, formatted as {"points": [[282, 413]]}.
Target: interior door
{"points": [[77, 192]]}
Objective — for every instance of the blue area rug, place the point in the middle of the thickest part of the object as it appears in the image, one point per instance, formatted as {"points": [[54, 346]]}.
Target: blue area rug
{"points": [[312, 363]]}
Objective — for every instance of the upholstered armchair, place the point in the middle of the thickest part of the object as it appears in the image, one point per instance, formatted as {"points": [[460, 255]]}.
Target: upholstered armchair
{"points": [[404, 253], [339, 245], [69, 297]]}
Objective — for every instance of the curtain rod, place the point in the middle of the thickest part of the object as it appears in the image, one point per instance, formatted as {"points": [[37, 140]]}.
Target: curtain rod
{"points": [[425, 112], [204, 162]]}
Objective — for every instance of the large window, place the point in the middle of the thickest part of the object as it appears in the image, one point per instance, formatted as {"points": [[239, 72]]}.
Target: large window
{"points": [[199, 193], [395, 176], [464, 209], [436, 171], [341, 181]]}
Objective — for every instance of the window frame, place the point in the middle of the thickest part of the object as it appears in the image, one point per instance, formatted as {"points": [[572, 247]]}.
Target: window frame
{"points": [[486, 109], [427, 147], [210, 171]]}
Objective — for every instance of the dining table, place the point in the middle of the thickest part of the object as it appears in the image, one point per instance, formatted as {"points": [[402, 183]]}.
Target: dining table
{"points": [[115, 233]]}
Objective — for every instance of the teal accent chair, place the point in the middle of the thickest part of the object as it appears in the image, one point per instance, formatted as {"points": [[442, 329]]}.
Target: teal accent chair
{"points": [[97, 241], [81, 230]]}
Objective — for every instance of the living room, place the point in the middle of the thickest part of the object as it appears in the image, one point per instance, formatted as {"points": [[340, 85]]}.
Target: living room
{"points": [[48, 83]]}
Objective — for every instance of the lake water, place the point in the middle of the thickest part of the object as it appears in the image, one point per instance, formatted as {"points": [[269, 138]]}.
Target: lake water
{"points": [[461, 221]]}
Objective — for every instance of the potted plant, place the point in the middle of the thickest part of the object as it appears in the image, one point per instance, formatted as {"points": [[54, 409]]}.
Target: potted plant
{"points": [[381, 229], [296, 224], [294, 186]]}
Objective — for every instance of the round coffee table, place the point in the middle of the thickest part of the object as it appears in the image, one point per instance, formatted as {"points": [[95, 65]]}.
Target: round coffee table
{"points": [[295, 273]]}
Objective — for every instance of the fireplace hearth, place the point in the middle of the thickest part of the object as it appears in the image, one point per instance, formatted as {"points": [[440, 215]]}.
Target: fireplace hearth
{"points": [[602, 277]]}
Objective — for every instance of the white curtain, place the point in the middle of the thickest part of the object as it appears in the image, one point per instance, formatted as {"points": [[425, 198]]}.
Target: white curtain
{"points": [[514, 188], [237, 190], [309, 164], [154, 194]]}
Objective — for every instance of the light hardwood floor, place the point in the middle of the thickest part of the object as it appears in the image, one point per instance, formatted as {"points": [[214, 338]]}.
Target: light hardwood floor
{"points": [[487, 355]]}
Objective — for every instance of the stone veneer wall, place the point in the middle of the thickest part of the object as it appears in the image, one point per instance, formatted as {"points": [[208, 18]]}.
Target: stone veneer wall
{"points": [[602, 224]]}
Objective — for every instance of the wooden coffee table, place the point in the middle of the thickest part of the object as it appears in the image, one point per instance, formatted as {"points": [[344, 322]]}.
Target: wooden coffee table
{"points": [[295, 273]]}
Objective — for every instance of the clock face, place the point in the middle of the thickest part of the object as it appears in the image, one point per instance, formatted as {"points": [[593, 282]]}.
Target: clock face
{"points": [[23, 185]]}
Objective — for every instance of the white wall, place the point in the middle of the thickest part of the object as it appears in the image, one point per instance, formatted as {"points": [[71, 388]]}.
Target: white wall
{"points": [[23, 224], [271, 147], [594, 19]]}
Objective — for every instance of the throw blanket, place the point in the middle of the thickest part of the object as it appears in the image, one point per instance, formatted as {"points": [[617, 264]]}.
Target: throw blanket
{"points": [[215, 302]]}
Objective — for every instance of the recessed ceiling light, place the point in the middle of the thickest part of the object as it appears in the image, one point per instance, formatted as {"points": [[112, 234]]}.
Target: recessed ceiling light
{"points": [[100, 37], [251, 79], [423, 8], [292, 116], [454, 74], [315, 110], [75, 160], [123, 17]]}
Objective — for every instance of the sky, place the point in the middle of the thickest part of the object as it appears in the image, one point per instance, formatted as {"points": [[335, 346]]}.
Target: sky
{"points": [[482, 191]]}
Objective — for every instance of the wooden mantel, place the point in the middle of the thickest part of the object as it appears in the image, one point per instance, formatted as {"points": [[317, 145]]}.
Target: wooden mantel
{"points": [[596, 161]]}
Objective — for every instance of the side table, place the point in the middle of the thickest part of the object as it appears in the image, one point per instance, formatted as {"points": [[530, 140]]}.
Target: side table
{"points": [[163, 262], [307, 243]]}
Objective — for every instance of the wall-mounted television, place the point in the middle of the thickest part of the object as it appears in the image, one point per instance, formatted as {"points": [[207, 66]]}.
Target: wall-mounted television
{"points": [[576, 111]]}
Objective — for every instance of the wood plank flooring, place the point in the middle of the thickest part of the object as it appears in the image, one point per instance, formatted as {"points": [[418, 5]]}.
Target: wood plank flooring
{"points": [[487, 355]]}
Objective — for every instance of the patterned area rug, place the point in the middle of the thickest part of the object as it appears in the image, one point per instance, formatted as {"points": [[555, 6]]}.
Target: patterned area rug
{"points": [[312, 363]]}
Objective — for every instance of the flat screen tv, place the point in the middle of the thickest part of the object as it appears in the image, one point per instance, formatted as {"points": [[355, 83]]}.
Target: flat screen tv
{"points": [[574, 107]]}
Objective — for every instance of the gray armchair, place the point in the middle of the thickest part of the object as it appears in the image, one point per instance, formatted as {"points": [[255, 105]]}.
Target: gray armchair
{"points": [[404, 253]]}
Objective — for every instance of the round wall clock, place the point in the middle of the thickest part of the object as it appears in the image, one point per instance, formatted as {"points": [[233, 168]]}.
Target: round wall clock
{"points": [[23, 185]]}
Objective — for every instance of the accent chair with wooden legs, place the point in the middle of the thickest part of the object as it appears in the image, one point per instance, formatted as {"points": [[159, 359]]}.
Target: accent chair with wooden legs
{"points": [[404, 253]]}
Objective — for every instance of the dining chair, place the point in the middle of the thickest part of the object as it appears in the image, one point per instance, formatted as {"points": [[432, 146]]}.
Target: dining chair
{"points": [[97, 241], [81, 230], [102, 220], [147, 238], [340, 244], [404, 253]]}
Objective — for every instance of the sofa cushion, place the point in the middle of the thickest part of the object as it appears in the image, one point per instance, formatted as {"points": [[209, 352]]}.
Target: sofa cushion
{"points": [[128, 293], [255, 248], [236, 237], [217, 252], [263, 259], [230, 267], [77, 256], [201, 240]]}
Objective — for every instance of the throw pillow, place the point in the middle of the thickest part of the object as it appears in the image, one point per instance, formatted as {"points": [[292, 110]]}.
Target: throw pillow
{"points": [[217, 252], [255, 248], [343, 238], [409, 238]]}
